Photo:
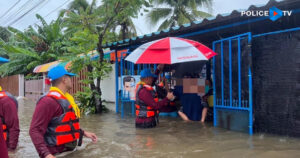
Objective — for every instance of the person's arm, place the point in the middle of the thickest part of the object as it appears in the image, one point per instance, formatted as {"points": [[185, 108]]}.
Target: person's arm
{"points": [[209, 93], [183, 116], [45, 110], [90, 135], [158, 70], [10, 113], [148, 99]]}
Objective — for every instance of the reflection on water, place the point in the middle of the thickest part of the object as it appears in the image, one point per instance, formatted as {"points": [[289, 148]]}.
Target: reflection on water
{"points": [[172, 138]]}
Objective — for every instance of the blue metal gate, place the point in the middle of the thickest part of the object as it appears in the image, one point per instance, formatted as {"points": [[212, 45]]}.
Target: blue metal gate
{"points": [[232, 79]]}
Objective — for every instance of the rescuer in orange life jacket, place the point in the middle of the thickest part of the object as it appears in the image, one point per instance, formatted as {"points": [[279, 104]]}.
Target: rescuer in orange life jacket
{"points": [[9, 119], [6, 105], [55, 123], [147, 104]]}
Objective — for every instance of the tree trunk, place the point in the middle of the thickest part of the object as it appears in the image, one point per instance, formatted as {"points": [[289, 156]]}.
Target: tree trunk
{"points": [[98, 101], [94, 88], [123, 28]]}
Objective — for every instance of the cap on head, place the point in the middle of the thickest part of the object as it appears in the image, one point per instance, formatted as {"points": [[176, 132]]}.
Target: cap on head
{"points": [[147, 73], [58, 72]]}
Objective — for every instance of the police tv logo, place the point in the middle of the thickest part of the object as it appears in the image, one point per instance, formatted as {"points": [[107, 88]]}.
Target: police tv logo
{"points": [[273, 13]]}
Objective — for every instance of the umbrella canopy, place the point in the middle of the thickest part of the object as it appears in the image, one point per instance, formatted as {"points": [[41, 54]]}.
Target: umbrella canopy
{"points": [[170, 50], [3, 60], [46, 67]]}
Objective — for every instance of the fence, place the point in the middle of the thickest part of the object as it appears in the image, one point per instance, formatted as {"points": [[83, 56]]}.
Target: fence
{"points": [[12, 84], [36, 87]]}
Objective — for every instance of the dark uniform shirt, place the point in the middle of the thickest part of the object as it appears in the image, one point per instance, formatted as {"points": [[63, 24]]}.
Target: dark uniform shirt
{"points": [[146, 96], [46, 109], [9, 112]]}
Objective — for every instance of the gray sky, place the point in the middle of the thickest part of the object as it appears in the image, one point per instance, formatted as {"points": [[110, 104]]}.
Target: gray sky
{"points": [[49, 10]]}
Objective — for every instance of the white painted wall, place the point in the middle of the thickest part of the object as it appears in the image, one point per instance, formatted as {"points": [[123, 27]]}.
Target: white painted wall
{"points": [[108, 86]]}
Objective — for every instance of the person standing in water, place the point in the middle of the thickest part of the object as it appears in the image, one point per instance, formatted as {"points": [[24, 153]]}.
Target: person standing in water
{"points": [[3, 149], [147, 104], [55, 124], [9, 119]]}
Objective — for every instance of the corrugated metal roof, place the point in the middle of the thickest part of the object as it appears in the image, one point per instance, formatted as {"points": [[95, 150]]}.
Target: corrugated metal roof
{"points": [[197, 23]]}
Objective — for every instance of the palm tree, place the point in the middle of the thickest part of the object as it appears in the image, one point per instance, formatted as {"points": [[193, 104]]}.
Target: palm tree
{"points": [[80, 15], [127, 28], [77, 5], [177, 12]]}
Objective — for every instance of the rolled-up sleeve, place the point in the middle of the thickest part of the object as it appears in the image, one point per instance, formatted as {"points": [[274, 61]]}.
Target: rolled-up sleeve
{"points": [[148, 99]]}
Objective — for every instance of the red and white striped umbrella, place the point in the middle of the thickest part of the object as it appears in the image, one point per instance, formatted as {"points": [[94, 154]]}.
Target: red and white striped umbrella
{"points": [[170, 50]]}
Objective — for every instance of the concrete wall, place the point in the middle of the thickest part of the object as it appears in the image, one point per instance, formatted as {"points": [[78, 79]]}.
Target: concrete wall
{"points": [[108, 86]]}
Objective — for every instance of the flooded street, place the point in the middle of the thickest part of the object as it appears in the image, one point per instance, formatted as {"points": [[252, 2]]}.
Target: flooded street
{"points": [[172, 138]]}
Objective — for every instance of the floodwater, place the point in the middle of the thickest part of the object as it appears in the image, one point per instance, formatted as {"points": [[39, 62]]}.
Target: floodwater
{"points": [[172, 138]]}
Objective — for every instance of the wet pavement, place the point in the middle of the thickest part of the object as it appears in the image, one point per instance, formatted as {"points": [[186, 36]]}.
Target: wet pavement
{"points": [[172, 138]]}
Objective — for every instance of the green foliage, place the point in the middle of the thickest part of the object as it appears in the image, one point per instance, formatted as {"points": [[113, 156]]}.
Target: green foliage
{"points": [[84, 42], [33, 47], [174, 12], [4, 34], [92, 26], [86, 101]]}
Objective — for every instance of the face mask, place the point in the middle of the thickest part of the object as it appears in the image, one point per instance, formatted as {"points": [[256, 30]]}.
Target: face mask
{"points": [[206, 89]]}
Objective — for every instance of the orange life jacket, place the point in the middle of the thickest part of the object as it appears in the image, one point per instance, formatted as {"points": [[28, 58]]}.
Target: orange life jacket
{"points": [[143, 110], [65, 128], [4, 127]]}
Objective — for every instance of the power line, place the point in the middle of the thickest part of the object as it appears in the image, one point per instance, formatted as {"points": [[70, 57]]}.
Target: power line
{"points": [[57, 8], [45, 2], [12, 15], [10, 8], [53, 10], [16, 20], [44, 16]]}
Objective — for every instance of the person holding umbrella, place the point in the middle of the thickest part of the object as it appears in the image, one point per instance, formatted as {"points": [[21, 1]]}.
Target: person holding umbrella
{"points": [[147, 104], [3, 149]]}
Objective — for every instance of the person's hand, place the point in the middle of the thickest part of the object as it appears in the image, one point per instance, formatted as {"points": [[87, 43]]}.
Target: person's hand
{"points": [[170, 96], [50, 156], [160, 67], [90, 135]]}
